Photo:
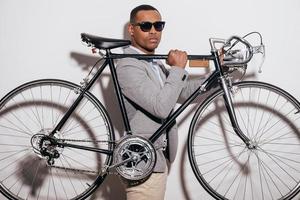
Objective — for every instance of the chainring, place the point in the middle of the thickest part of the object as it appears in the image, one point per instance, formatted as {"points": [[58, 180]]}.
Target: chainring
{"points": [[137, 155]]}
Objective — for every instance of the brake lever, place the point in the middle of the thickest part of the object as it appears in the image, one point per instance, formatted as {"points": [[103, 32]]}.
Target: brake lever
{"points": [[260, 49]]}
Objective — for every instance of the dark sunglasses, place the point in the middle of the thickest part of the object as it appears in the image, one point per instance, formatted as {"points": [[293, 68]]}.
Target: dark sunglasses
{"points": [[146, 26]]}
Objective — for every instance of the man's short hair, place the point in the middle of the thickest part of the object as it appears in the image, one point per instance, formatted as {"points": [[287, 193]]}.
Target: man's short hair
{"points": [[134, 11]]}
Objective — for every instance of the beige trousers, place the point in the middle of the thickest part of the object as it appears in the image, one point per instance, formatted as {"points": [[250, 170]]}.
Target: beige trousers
{"points": [[153, 188]]}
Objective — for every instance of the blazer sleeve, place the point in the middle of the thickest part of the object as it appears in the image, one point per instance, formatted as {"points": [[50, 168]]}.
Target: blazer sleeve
{"points": [[190, 87], [137, 85]]}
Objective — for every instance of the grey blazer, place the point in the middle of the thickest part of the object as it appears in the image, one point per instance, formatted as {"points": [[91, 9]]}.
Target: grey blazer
{"points": [[146, 100]]}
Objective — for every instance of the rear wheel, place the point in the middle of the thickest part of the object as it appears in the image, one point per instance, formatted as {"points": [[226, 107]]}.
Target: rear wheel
{"points": [[31, 167], [225, 166]]}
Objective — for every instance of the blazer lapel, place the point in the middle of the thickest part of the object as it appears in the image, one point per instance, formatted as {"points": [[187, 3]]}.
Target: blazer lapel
{"points": [[148, 67]]}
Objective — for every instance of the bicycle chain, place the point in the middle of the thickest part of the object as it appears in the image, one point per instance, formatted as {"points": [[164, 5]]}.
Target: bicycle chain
{"points": [[73, 169]]}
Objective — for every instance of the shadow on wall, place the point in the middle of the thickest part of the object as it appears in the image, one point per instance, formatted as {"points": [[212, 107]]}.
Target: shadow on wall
{"points": [[112, 188]]}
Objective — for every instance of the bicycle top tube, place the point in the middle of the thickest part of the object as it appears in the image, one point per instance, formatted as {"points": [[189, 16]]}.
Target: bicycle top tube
{"points": [[107, 44]]}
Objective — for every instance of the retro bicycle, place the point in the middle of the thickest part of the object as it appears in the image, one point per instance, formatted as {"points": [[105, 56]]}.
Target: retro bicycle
{"points": [[57, 140]]}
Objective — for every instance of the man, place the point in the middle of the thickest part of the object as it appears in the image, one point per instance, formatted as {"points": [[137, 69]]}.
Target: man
{"points": [[151, 93]]}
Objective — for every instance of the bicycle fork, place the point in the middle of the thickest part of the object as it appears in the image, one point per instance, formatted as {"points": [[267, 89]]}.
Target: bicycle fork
{"points": [[231, 112]]}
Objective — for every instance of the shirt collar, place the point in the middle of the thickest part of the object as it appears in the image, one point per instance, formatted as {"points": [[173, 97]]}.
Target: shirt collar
{"points": [[136, 49], [141, 52]]}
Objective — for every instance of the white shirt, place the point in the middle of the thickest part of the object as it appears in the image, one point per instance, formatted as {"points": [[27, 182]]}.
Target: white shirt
{"points": [[155, 66]]}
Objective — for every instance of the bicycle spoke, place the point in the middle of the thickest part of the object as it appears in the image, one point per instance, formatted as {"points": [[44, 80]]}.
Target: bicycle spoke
{"points": [[273, 157], [242, 169], [35, 113], [14, 130], [15, 172], [237, 174], [68, 131], [70, 167], [268, 118], [78, 162], [245, 123], [24, 111], [16, 127], [274, 133], [64, 105], [69, 134]]}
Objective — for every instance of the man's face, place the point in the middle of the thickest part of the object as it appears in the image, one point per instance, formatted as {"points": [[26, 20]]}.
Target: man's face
{"points": [[145, 41]]}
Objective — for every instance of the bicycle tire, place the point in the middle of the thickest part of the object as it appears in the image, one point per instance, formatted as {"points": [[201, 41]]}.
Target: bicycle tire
{"points": [[222, 163], [32, 110]]}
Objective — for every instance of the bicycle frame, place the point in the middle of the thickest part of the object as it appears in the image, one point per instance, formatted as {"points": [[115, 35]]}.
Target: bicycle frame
{"points": [[207, 84]]}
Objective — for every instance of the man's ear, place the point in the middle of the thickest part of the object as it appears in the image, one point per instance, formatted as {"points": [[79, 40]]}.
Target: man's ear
{"points": [[130, 29]]}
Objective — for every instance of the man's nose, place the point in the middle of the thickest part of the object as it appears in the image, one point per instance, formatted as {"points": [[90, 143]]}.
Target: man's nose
{"points": [[152, 30]]}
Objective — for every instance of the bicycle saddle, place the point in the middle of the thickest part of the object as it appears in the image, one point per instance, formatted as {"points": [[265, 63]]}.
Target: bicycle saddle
{"points": [[103, 43]]}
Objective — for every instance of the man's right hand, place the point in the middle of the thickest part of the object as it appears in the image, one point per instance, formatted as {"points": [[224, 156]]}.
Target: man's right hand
{"points": [[177, 58]]}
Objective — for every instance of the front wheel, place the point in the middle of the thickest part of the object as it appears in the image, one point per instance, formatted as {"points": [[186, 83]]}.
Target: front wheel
{"points": [[30, 166], [225, 166]]}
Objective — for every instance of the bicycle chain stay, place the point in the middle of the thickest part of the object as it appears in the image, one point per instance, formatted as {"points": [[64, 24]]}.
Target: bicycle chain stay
{"points": [[103, 171], [92, 141]]}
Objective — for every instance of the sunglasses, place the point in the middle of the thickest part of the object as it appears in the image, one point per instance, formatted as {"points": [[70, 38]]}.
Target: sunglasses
{"points": [[147, 26]]}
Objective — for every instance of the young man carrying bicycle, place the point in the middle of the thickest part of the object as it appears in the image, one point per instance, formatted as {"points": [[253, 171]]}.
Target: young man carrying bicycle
{"points": [[151, 92]]}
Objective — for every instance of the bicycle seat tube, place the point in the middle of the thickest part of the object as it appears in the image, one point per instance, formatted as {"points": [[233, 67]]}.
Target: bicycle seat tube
{"points": [[118, 92]]}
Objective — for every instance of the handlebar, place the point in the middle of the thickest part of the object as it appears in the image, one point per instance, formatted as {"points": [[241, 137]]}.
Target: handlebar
{"points": [[238, 57]]}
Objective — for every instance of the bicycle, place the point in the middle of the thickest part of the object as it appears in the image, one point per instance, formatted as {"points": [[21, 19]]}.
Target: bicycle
{"points": [[57, 140]]}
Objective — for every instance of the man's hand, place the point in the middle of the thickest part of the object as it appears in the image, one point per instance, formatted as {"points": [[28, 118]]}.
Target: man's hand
{"points": [[177, 58]]}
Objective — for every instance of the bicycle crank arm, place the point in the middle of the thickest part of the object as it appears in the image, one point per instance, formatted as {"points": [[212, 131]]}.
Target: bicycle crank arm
{"points": [[120, 163], [108, 168]]}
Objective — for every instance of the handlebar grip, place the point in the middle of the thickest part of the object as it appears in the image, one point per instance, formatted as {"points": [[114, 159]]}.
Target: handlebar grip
{"points": [[199, 63]]}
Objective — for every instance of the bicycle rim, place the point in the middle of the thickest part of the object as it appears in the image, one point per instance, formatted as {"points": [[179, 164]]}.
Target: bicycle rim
{"points": [[30, 112], [225, 166]]}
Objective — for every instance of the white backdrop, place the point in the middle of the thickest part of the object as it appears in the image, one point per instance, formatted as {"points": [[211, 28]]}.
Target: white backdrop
{"points": [[41, 39]]}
